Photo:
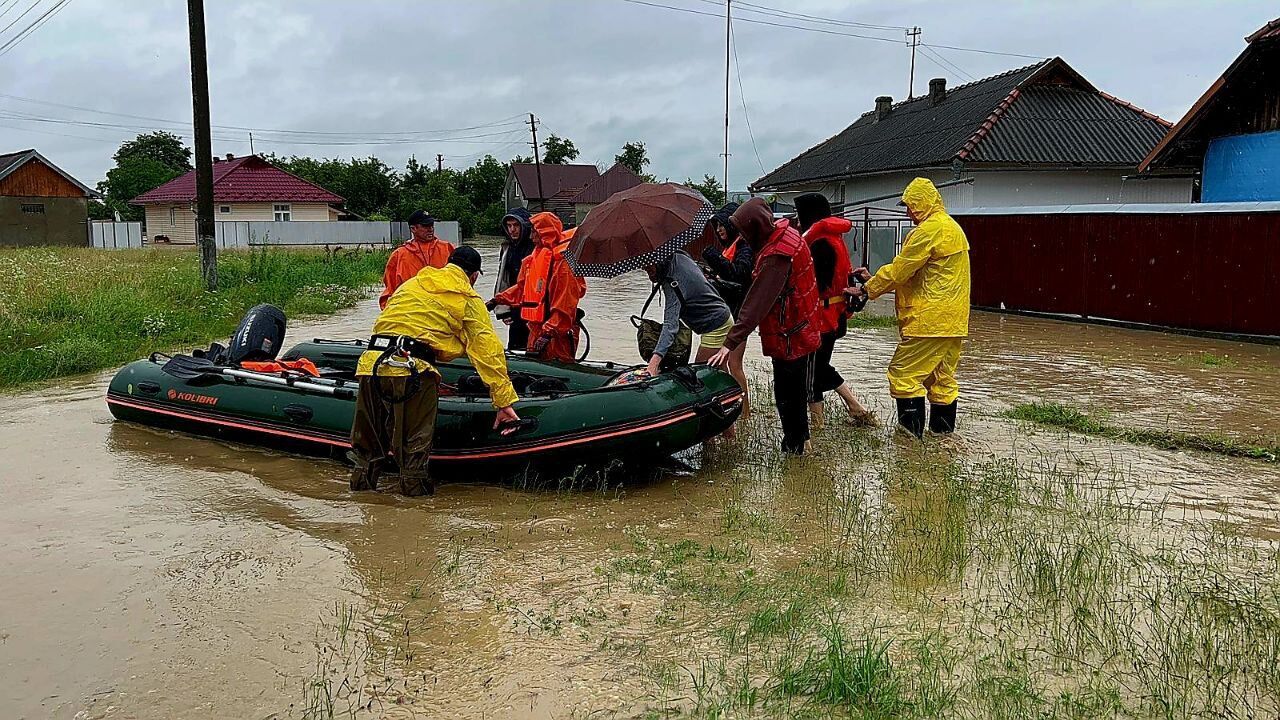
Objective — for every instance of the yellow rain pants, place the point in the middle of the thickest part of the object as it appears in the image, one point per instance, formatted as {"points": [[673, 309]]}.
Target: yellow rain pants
{"points": [[926, 366]]}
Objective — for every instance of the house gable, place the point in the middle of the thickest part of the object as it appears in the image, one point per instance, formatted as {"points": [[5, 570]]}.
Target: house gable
{"points": [[29, 174]]}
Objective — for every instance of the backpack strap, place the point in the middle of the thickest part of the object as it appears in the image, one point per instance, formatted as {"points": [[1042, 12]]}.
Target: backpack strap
{"points": [[652, 295]]}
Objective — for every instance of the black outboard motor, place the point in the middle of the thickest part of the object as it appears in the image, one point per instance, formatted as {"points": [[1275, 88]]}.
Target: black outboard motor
{"points": [[259, 337]]}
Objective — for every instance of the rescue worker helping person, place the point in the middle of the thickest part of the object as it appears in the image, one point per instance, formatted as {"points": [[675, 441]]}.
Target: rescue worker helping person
{"points": [[436, 316], [423, 249], [930, 281], [547, 293], [783, 303]]}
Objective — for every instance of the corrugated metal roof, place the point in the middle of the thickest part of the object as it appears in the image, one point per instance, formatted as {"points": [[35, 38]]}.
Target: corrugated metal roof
{"points": [[555, 178], [246, 179], [614, 180], [10, 161], [1066, 122]]}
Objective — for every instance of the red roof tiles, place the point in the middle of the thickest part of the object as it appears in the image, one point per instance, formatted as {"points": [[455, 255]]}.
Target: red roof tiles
{"points": [[247, 179]]}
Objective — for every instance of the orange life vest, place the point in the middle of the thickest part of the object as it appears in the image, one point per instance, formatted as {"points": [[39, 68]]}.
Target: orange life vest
{"points": [[790, 330], [833, 313], [732, 251]]}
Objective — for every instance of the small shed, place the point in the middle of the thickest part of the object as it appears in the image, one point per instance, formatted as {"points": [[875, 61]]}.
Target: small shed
{"points": [[1231, 136], [614, 180], [40, 204]]}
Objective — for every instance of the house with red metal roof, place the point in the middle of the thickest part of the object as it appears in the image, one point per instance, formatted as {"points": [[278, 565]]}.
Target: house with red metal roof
{"points": [[246, 188], [1037, 135], [1230, 138], [547, 187], [614, 180]]}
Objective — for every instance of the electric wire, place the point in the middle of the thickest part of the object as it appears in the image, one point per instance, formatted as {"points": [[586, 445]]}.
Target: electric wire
{"points": [[742, 97], [16, 20], [33, 27], [789, 15], [938, 59], [4, 9]]}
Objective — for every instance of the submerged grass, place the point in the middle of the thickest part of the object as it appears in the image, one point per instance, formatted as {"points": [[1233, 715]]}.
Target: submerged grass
{"points": [[70, 310], [1076, 420], [864, 320]]}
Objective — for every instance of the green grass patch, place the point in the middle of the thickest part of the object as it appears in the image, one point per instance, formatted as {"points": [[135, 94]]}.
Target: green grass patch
{"points": [[862, 321], [1206, 360], [65, 311], [1075, 420]]}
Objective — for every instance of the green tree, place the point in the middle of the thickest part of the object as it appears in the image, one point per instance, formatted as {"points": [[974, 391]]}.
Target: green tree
{"points": [[558, 151], [144, 163], [367, 184], [635, 157], [710, 188]]}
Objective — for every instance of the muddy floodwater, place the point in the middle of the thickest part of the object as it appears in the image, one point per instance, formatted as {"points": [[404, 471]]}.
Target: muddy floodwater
{"points": [[152, 575]]}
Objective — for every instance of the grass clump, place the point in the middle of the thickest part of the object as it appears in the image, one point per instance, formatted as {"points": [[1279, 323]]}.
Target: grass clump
{"points": [[65, 311], [1075, 420], [864, 321]]}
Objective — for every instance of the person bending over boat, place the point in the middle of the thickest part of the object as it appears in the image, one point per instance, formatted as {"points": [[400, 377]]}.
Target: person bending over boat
{"points": [[435, 316], [783, 303], [731, 263], [689, 298], [832, 268], [547, 293], [423, 249], [930, 282], [517, 244]]}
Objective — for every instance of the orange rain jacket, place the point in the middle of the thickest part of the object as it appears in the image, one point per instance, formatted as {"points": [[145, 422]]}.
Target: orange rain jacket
{"points": [[547, 292], [408, 259]]}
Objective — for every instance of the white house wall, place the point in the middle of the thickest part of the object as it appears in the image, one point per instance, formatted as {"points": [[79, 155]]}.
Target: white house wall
{"points": [[1013, 188]]}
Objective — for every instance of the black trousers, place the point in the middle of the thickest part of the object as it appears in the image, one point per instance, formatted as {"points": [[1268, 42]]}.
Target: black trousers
{"points": [[825, 376], [792, 387], [517, 333]]}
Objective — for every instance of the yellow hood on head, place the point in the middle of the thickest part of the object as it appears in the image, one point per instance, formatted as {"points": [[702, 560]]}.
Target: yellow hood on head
{"points": [[923, 199]]}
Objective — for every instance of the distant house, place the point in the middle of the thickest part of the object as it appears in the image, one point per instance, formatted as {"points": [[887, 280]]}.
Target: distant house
{"points": [[247, 188], [40, 204], [553, 191], [1038, 135], [1231, 136], [614, 180]]}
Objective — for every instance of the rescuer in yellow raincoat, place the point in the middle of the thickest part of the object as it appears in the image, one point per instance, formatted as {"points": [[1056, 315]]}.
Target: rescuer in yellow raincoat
{"points": [[436, 316], [930, 280]]}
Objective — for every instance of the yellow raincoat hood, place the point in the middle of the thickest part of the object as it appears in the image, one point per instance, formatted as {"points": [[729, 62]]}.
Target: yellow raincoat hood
{"points": [[930, 276], [439, 307]]}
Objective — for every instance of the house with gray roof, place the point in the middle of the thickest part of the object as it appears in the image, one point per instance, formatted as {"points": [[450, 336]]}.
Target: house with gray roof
{"points": [[1037, 135], [40, 203]]}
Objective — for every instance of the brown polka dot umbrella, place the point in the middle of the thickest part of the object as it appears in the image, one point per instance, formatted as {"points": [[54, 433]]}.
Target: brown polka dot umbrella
{"points": [[641, 226]]}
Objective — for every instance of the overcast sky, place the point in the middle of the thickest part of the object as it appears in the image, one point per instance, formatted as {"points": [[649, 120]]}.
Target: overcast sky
{"points": [[600, 72]]}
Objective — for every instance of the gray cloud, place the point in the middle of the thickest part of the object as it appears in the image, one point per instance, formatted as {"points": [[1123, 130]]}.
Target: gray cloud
{"points": [[601, 72]]}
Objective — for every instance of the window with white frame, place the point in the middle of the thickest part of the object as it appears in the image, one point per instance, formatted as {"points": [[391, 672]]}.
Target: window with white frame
{"points": [[282, 212], [224, 209], [173, 217]]}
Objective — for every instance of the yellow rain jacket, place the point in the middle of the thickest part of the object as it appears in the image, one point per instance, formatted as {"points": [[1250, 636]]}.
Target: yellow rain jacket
{"points": [[930, 276], [439, 307]]}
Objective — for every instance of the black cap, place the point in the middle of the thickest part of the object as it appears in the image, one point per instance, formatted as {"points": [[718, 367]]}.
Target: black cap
{"points": [[466, 257], [421, 217]]}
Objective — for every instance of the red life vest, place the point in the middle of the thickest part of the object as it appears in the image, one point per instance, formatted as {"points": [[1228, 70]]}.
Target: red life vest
{"points": [[832, 311], [790, 329]]}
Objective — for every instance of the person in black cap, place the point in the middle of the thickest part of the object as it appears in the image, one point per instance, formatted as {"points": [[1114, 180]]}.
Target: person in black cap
{"points": [[434, 317], [423, 249]]}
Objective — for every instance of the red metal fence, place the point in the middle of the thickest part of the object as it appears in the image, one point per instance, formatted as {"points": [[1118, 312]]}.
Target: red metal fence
{"points": [[1195, 269]]}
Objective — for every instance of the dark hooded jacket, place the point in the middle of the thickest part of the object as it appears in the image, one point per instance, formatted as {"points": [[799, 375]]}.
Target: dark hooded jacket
{"points": [[513, 253], [754, 221], [732, 277]]}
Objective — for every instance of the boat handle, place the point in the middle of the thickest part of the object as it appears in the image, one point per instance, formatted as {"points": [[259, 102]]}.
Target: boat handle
{"points": [[149, 387], [298, 413], [519, 426]]}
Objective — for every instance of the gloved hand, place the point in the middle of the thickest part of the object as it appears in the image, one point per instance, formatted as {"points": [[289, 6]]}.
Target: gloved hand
{"points": [[540, 345], [490, 304]]}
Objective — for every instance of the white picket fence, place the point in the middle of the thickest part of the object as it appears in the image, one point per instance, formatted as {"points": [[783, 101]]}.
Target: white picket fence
{"points": [[115, 235], [252, 233]]}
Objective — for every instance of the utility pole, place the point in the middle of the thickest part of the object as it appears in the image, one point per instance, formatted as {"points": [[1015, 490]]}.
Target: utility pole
{"points": [[251, 152], [537, 164], [203, 145], [913, 39], [439, 162], [728, 36]]}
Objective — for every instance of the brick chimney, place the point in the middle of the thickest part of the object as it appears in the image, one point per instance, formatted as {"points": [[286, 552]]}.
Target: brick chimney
{"points": [[884, 104], [230, 157], [937, 90]]}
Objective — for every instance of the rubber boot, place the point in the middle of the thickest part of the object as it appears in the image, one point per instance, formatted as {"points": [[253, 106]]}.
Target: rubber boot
{"points": [[911, 415], [817, 415], [416, 484], [364, 476], [942, 418]]}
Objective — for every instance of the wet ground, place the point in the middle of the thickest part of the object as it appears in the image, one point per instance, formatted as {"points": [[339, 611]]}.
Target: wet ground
{"points": [[151, 575]]}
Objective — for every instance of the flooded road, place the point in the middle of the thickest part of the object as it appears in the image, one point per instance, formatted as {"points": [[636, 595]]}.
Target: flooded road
{"points": [[152, 575]]}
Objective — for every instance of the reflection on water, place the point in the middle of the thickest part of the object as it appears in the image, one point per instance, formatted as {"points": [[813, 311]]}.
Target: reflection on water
{"points": [[148, 574]]}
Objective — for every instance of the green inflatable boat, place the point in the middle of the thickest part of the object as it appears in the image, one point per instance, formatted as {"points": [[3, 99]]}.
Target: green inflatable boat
{"points": [[574, 413]]}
